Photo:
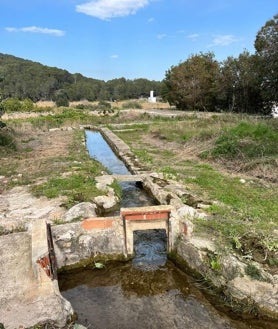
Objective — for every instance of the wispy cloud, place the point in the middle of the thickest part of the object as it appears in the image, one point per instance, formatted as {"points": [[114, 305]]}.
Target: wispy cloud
{"points": [[193, 36], [223, 40], [114, 56], [161, 36], [36, 29], [106, 9], [150, 20]]}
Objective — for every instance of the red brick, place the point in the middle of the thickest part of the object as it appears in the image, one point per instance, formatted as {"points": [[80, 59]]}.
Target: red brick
{"points": [[97, 224], [146, 216]]}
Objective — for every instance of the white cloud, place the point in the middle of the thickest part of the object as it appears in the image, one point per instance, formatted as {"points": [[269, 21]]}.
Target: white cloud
{"points": [[106, 9], [150, 20], [114, 56], [223, 40], [35, 29]]}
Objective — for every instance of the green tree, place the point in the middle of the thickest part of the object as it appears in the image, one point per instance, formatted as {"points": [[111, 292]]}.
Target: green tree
{"points": [[193, 84], [266, 44], [240, 89]]}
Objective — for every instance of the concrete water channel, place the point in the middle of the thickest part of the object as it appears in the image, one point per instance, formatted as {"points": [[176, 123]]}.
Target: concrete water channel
{"points": [[149, 291]]}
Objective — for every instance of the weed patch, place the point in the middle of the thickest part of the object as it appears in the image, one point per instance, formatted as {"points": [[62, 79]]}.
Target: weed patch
{"points": [[247, 140], [254, 273]]}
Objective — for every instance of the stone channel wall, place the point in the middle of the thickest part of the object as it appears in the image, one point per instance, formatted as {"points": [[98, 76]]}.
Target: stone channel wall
{"points": [[88, 240], [27, 293]]}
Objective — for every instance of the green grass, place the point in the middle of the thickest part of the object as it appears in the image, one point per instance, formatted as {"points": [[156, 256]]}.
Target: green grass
{"points": [[76, 188], [144, 156], [241, 207], [78, 185], [247, 140], [254, 273]]}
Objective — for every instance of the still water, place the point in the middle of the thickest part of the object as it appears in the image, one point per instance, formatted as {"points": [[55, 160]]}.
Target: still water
{"points": [[148, 292], [125, 296]]}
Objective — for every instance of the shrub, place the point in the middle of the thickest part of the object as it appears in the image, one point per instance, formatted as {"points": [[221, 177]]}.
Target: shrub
{"points": [[62, 101], [104, 107], [12, 105], [7, 140], [27, 105]]}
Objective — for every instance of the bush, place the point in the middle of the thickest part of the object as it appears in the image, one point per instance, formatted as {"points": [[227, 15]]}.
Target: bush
{"points": [[27, 105], [12, 105], [104, 107], [7, 140], [62, 101]]}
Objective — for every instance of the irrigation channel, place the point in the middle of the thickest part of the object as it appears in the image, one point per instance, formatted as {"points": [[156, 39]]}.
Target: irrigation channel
{"points": [[148, 292]]}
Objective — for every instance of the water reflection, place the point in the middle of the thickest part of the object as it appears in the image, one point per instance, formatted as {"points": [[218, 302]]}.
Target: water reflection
{"points": [[100, 150], [133, 194], [123, 296]]}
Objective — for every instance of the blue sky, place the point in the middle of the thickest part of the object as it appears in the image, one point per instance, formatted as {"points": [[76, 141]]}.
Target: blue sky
{"points": [[107, 39]]}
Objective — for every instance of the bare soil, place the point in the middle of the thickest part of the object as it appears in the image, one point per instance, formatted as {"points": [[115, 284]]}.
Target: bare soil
{"points": [[38, 152]]}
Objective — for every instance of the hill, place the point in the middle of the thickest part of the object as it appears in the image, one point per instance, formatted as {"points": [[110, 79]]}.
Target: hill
{"points": [[21, 78]]}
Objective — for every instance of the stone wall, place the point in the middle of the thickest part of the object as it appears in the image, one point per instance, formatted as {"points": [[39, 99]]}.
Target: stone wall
{"points": [[27, 294], [90, 238]]}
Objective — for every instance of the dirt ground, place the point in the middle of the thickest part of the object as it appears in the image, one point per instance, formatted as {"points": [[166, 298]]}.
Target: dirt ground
{"points": [[37, 150], [39, 153]]}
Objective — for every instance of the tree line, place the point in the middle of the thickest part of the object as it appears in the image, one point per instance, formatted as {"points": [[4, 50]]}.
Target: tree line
{"points": [[25, 79], [246, 84]]}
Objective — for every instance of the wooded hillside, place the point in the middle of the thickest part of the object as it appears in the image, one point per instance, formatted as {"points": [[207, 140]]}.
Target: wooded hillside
{"points": [[20, 78]]}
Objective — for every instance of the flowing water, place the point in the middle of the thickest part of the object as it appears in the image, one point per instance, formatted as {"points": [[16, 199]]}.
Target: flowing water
{"points": [[148, 292], [99, 149]]}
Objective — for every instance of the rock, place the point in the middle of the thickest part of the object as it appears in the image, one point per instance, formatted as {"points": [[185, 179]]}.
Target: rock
{"points": [[66, 236], [190, 212], [35, 298], [79, 326], [203, 244], [232, 267], [106, 202], [263, 293], [19, 208], [103, 182], [82, 210]]}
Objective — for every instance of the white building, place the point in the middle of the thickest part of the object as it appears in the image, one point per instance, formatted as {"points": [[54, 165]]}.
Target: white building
{"points": [[151, 99]]}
